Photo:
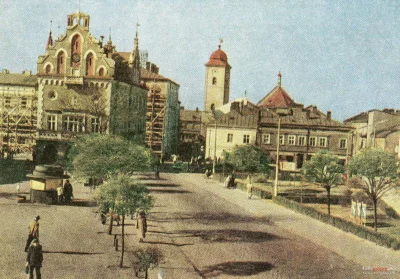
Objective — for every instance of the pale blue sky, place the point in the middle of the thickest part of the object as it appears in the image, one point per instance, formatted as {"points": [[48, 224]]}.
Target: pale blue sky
{"points": [[342, 56]]}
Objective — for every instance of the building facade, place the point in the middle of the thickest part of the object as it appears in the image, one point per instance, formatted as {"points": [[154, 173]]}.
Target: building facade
{"points": [[18, 110], [376, 129], [86, 87]]}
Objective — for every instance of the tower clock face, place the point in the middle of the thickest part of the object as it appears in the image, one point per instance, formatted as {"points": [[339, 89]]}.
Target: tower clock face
{"points": [[76, 58]]}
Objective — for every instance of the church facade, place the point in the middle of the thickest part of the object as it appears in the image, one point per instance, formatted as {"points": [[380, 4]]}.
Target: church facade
{"points": [[85, 87]]}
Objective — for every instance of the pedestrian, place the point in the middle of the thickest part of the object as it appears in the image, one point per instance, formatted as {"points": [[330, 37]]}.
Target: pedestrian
{"points": [[249, 188], [34, 259], [33, 232], [18, 188], [141, 225], [60, 193], [68, 191]]}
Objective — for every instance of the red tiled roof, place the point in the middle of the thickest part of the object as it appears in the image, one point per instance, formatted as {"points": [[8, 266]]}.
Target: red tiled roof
{"points": [[218, 58], [276, 98]]}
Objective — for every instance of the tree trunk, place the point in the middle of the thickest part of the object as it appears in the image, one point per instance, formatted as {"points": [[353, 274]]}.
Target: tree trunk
{"points": [[375, 201], [121, 263], [111, 222], [329, 201], [146, 274]]}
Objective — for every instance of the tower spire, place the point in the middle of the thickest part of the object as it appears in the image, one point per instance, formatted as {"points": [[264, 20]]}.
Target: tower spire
{"points": [[50, 39], [134, 58], [279, 79]]}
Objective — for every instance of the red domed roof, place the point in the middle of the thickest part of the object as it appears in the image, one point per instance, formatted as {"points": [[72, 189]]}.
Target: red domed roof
{"points": [[218, 58]]}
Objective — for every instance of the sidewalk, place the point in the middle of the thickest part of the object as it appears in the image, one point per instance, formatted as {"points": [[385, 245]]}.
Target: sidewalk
{"points": [[351, 247]]}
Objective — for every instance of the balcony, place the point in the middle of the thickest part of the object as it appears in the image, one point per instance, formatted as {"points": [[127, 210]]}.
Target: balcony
{"points": [[73, 80]]}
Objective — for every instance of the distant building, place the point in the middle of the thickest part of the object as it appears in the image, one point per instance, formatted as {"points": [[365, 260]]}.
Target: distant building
{"points": [[192, 134], [18, 112], [217, 80], [302, 131], [85, 86], [376, 129]]}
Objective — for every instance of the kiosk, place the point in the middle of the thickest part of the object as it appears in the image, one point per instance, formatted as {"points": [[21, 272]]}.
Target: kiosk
{"points": [[44, 181]]}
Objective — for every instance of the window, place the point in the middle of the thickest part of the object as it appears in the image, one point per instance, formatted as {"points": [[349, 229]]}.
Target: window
{"points": [[322, 142], [101, 72], [7, 101], [230, 138], [291, 140], [95, 123], [24, 101], [281, 139], [89, 65], [313, 141], [73, 123], [343, 143], [214, 81], [60, 63], [266, 139], [52, 122], [48, 69], [246, 138], [302, 140]]}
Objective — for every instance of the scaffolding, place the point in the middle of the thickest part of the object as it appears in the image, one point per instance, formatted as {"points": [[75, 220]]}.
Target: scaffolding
{"points": [[17, 123], [155, 114]]}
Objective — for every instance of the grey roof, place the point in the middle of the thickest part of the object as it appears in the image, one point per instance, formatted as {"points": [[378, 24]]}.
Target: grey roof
{"points": [[18, 79]]}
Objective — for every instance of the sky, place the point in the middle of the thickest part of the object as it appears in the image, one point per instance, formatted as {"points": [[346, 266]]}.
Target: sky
{"points": [[341, 56]]}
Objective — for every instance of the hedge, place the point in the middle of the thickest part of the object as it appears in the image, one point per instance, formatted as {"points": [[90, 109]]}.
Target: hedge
{"points": [[347, 226]]}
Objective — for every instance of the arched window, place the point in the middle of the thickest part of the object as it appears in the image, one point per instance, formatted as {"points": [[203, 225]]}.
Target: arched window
{"points": [[89, 65], [61, 63], [214, 81], [212, 107], [101, 72], [76, 45], [48, 69]]}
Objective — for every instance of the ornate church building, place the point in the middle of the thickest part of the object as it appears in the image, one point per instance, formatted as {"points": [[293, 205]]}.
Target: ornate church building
{"points": [[85, 86]]}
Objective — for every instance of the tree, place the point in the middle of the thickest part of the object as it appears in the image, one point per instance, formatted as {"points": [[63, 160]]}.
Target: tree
{"points": [[125, 196], [102, 156], [325, 170], [377, 171], [148, 258], [248, 158]]}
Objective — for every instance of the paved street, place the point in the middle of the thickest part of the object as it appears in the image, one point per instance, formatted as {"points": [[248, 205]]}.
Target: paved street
{"points": [[204, 231]]}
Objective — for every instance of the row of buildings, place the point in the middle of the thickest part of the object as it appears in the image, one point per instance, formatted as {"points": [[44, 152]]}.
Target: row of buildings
{"points": [[288, 131], [84, 85]]}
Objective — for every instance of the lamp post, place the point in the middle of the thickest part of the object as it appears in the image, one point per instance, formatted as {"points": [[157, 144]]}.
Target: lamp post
{"points": [[277, 158]]}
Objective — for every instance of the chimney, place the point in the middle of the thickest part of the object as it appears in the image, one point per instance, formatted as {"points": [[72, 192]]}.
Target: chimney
{"points": [[101, 41], [156, 69], [329, 115], [27, 72], [197, 109], [148, 66], [5, 71], [182, 108]]}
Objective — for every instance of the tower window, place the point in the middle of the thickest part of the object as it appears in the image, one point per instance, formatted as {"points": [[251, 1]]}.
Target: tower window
{"points": [[48, 69], [61, 63], [214, 81], [101, 72], [89, 65]]}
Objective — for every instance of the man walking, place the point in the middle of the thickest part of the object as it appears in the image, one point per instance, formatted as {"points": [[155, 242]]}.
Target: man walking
{"points": [[68, 191], [34, 259], [33, 232]]}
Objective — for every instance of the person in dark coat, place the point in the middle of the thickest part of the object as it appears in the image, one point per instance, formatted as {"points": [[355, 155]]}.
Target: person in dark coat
{"points": [[34, 259], [33, 232], [68, 191], [141, 225]]}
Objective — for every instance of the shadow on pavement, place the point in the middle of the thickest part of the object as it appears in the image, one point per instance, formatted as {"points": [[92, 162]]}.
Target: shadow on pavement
{"points": [[72, 253], [229, 235], [162, 191], [167, 243], [207, 218], [81, 203], [161, 185], [236, 269]]}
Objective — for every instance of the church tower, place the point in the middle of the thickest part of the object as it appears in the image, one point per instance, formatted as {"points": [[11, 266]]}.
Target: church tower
{"points": [[217, 80]]}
